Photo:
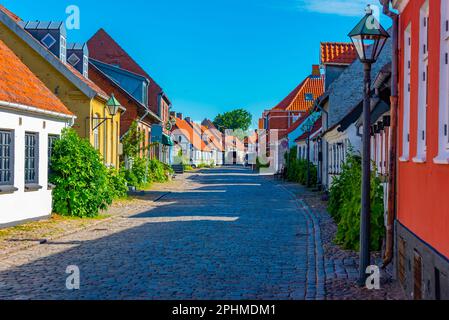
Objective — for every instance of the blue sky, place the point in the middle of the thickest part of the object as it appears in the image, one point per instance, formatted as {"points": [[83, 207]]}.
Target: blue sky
{"points": [[211, 56]]}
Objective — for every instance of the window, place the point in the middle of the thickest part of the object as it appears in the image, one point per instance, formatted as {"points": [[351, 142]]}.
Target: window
{"points": [[443, 135], [51, 142], [407, 88], [85, 67], [73, 59], [63, 50], [48, 41], [423, 83], [96, 122], [6, 158], [309, 96], [31, 158]]}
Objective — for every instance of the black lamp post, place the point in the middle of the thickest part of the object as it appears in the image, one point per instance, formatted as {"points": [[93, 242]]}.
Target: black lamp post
{"points": [[369, 38], [113, 107]]}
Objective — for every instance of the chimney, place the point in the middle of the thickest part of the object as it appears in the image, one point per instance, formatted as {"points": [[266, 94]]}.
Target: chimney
{"points": [[179, 116], [316, 72], [188, 119], [78, 57], [173, 114], [52, 35]]}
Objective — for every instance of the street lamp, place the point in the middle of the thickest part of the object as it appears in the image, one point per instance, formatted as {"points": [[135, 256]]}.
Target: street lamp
{"points": [[369, 38], [113, 106]]}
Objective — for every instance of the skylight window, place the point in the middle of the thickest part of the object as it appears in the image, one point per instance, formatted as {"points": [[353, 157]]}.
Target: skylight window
{"points": [[73, 59], [309, 97], [48, 41]]}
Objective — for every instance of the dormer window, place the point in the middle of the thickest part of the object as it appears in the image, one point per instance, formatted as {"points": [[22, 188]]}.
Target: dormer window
{"points": [[48, 41], [309, 96], [73, 59]]}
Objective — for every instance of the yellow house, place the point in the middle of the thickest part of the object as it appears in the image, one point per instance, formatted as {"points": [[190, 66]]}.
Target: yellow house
{"points": [[42, 46]]}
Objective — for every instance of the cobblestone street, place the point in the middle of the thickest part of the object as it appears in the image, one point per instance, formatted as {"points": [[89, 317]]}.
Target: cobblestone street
{"points": [[226, 234]]}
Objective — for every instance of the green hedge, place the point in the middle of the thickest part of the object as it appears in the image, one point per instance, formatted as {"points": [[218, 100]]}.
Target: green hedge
{"points": [[345, 205], [145, 171], [84, 185], [297, 169]]}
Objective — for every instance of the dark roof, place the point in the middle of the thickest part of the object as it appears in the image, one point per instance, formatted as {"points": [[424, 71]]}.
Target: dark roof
{"points": [[42, 25], [346, 91]]}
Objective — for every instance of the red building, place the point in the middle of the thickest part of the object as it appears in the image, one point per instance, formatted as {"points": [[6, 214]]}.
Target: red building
{"points": [[423, 169], [295, 105], [104, 49]]}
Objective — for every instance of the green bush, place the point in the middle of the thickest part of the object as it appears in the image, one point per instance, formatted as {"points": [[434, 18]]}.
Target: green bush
{"points": [[81, 179], [143, 172], [345, 205], [297, 169], [117, 183]]}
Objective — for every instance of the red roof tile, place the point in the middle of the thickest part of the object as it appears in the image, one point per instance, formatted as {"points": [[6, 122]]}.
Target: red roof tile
{"points": [[188, 131], [338, 53], [297, 100], [19, 85]]}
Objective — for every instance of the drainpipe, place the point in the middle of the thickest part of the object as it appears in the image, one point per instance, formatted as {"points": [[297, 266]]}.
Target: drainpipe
{"points": [[391, 214]]}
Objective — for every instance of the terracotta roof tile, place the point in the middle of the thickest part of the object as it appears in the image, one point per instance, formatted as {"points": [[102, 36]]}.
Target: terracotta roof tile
{"points": [[338, 53], [299, 99], [193, 137], [19, 85]]}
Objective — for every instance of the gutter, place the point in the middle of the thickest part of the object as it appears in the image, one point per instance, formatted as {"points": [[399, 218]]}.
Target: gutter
{"points": [[22, 107], [391, 214]]}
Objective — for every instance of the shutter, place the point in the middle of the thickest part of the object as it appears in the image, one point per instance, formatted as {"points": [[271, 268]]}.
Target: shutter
{"points": [[417, 277]]}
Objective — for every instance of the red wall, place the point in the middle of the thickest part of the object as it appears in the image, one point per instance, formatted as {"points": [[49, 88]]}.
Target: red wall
{"points": [[423, 198]]}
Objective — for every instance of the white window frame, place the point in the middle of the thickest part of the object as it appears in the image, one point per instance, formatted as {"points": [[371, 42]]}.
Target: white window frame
{"points": [[407, 92], [63, 49], [8, 160], [421, 138], [443, 117]]}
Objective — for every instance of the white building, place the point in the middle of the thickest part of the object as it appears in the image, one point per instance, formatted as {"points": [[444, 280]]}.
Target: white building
{"points": [[194, 149], [31, 118]]}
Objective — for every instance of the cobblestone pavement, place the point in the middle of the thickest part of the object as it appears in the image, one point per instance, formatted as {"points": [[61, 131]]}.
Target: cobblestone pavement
{"points": [[227, 234], [341, 266]]}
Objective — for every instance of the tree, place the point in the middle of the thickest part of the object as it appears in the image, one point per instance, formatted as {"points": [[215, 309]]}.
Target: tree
{"points": [[236, 119]]}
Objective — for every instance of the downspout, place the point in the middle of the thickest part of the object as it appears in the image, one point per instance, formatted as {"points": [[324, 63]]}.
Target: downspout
{"points": [[391, 214]]}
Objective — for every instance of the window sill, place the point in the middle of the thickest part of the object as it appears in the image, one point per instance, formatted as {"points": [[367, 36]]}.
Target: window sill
{"points": [[51, 186], [8, 189], [442, 159], [404, 159], [419, 159], [32, 187]]}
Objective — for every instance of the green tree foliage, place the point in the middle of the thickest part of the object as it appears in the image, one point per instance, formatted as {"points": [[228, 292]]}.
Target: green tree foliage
{"points": [[132, 141], [84, 186], [236, 119], [345, 205]]}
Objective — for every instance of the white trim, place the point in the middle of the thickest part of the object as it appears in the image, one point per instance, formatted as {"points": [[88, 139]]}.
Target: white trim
{"points": [[421, 137], [443, 114], [30, 109], [407, 89]]}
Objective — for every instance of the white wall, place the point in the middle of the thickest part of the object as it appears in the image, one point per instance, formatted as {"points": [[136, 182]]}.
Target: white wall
{"points": [[22, 205]]}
